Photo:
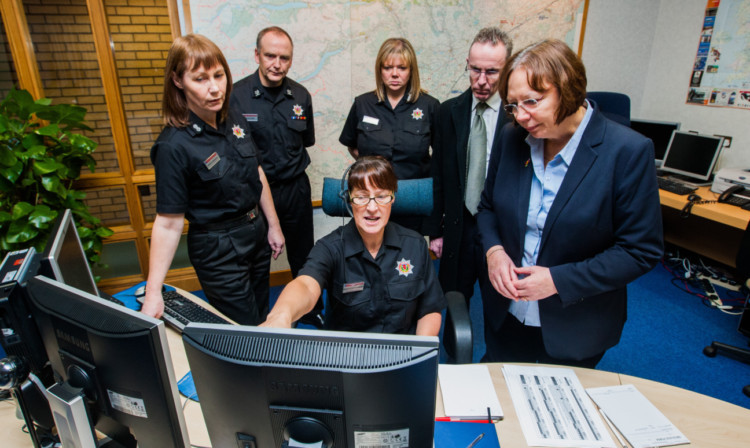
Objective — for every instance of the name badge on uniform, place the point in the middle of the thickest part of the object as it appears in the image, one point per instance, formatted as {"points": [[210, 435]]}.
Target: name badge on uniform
{"points": [[212, 160], [370, 120], [250, 117], [354, 287]]}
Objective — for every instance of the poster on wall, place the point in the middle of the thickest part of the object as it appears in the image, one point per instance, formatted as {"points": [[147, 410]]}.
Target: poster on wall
{"points": [[721, 71]]}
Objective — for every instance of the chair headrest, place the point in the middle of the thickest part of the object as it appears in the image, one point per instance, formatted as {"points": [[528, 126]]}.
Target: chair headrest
{"points": [[414, 197]]}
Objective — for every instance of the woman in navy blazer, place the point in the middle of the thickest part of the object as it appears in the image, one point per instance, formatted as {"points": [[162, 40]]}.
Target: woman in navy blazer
{"points": [[569, 216]]}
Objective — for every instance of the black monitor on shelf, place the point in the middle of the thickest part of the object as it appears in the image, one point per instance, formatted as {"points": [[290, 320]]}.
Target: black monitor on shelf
{"points": [[64, 259], [112, 367], [266, 386], [660, 132], [692, 156]]}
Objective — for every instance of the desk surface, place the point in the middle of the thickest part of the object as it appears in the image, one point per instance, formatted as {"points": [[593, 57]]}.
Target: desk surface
{"points": [[726, 214], [706, 421]]}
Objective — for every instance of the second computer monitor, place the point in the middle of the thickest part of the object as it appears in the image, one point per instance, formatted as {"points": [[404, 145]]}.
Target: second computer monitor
{"points": [[692, 155], [264, 386], [64, 259], [118, 359], [660, 132]]}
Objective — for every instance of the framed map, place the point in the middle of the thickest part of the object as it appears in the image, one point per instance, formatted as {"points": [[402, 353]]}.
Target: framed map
{"points": [[336, 41], [721, 72]]}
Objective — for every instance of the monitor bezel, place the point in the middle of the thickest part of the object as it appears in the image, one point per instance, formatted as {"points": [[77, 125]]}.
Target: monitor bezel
{"points": [[702, 177], [675, 124], [63, 226]]}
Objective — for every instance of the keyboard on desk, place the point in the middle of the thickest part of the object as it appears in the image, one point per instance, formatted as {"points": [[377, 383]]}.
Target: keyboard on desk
{"points": [[180, 311], [674, 186]]}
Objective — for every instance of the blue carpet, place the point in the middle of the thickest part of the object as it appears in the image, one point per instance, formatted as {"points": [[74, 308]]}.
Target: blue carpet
{"points": [[663, 339]]}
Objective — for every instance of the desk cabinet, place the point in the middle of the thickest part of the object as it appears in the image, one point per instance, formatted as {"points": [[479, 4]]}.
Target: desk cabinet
{"points": [[712, 230]]}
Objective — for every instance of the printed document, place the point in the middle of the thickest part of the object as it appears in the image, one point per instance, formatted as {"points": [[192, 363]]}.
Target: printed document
{"points": [[637, 419], [553, 408], [468, 392]]}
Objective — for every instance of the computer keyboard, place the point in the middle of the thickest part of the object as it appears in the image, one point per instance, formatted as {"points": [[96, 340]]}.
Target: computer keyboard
{"points": [[674, 186], [180, 311]]}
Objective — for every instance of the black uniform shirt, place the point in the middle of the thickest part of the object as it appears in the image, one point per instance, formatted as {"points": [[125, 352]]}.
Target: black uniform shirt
{"points": [[208, 174], [402, 135], [282, 126], [385, 295]]}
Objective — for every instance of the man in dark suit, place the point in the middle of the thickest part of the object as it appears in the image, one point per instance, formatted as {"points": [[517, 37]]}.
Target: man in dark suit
{"points": [[452, 227]]}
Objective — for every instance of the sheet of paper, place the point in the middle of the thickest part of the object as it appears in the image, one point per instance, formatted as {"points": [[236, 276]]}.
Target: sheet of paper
{"points": [[637, 419], [553, 408], [468, 391]]}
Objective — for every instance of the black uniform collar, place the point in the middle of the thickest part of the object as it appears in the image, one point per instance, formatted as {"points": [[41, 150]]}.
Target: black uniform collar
{"points": [[257, 89], [197, 126], [354, 245]]}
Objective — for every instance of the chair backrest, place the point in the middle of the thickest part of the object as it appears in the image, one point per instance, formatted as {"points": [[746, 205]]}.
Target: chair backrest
{"points": [[414, 197], [615, 106]]}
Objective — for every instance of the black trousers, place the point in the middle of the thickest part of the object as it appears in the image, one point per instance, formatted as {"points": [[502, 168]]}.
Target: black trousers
{"points": [[293, 203], [516, 342], [233, 267], [472, 266], [472, 263]]}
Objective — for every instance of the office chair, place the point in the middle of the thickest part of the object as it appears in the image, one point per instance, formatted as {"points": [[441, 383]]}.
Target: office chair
{"points": [[414, 197], [615, 106], [730, 351]]}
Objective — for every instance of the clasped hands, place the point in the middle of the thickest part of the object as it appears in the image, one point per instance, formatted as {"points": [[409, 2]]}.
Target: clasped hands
{"points": [[536, 282]]}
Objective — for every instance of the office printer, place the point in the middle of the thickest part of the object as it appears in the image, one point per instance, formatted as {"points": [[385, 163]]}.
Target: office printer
{"points": [[726, 177]]}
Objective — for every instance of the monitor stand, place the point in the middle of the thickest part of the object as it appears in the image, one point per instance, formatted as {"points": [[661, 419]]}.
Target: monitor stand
{"points": [[68, 405]]}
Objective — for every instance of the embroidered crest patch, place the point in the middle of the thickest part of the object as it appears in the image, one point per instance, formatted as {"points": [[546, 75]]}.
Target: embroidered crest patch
{"points": [[404, 267], [417, 114], [238, 131]]}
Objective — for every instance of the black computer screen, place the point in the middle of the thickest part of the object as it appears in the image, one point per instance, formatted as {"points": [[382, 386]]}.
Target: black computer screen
{"points": [[660, 132], [340, 389], [118, 357], [64, 258], [692, 155]]}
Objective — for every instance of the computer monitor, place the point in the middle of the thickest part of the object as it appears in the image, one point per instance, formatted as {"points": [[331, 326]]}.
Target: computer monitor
{"points": [[660, 132], [267, 386], [110, 361], [692, 155], [64, 259]]}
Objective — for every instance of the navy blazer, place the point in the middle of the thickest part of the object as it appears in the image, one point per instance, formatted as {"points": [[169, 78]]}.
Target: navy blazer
{"points": [[603, 231]]}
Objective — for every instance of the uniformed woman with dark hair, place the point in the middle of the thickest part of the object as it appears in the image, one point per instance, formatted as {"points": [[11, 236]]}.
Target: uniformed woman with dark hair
{"points": [[396, 120], [207, 170], [379, 275]]}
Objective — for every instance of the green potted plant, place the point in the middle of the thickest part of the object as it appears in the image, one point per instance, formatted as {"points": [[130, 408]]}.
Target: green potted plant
{"points": [[41, 155]]}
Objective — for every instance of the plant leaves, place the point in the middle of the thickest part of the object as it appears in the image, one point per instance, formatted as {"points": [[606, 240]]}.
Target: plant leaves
{"points": [[20, 210], [20, 232]]}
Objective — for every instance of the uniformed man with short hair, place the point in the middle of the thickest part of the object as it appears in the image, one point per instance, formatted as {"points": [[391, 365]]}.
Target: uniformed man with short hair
{"points": [[279, 114]]}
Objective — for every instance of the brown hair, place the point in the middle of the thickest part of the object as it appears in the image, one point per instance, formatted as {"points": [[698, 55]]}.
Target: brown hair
{"points": [[272, 29], [376, 169], [398, 46], [551, 62], [188, 53]]}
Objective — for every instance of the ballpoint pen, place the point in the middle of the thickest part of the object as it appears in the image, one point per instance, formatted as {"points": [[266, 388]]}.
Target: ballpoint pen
{"points": [[475, 441]]}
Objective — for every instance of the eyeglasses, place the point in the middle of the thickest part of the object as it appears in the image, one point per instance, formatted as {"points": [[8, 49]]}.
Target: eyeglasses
{"points": [[529, 105], [476, 72], [365, 200]]}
